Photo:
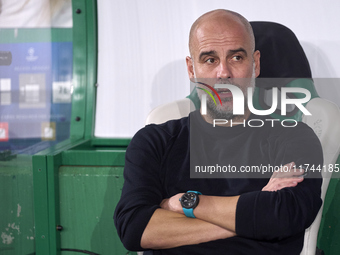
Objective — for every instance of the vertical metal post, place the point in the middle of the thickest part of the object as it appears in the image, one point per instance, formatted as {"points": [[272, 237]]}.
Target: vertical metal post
{"points": [[46, 164]]}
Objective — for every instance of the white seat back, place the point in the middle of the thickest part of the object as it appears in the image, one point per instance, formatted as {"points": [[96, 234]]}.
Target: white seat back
{"points": [[325, 121], [170, 111]]}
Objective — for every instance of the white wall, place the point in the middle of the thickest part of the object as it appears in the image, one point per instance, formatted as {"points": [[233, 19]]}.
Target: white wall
{"points": [[143, 44], [35, 13]]}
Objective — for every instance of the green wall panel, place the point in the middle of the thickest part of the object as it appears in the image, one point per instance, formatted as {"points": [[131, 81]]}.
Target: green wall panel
{"points": [[88, 196], [16, 210], [329, 232]]}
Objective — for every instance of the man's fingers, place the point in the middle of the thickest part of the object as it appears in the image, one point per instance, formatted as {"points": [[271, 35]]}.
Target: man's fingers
{"points": [[288, 180], [276, 184], [287, 176], [291, 182], [282, 185], [165, 204], [291, 173], [172, 204], [288, 170]]}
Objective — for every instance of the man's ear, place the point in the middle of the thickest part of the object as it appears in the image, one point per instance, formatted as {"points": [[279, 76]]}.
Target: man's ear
{"points": [[190, 67], [256, 57]]}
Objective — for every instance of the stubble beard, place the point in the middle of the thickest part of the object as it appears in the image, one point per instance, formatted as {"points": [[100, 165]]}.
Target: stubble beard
{"points": [[216, 111]]}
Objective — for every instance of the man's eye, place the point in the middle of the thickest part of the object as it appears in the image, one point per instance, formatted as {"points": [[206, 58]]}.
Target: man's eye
{"points": [[210, 60], [237, 58]]}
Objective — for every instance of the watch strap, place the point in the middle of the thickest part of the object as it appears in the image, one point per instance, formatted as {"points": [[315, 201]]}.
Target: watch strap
{"points": [[197, 192], [189, 212]]}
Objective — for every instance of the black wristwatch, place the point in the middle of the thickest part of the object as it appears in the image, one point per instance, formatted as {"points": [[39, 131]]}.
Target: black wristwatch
{"points": [[189, 201]]}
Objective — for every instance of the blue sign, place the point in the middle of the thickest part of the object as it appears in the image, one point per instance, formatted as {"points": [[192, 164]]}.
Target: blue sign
{"points": [[35, 93]]}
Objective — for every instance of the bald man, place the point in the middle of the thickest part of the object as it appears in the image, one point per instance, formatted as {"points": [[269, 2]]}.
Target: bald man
{"points": [[222, 47], [218, 216]]}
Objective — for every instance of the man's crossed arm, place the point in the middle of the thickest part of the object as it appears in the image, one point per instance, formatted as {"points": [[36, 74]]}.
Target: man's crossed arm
{"points": [[215, 217]]}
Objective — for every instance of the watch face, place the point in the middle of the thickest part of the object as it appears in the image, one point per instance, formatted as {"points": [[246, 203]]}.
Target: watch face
{"points": [[189, 200]]}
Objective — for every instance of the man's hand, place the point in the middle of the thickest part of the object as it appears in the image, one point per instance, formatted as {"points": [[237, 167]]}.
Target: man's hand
{"points": [[286, 176], [173, 204]]}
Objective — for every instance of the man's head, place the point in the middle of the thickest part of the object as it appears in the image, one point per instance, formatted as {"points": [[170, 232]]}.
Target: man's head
{"points": [[221, 45]]}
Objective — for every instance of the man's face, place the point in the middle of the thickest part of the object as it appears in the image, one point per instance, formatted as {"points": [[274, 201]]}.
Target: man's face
{"points": [[222, 53]]}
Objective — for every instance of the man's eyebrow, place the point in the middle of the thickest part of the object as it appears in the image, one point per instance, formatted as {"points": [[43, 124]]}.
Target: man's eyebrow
{"points": [[207, 53], [237, 50], [230, 52]]}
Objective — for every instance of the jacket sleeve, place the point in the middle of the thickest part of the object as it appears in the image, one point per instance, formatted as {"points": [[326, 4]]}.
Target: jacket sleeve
{"points": [[277, 215], [142, 190]]}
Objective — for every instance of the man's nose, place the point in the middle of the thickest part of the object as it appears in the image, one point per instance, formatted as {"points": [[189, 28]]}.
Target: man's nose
{"points": [[223, 71]]}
